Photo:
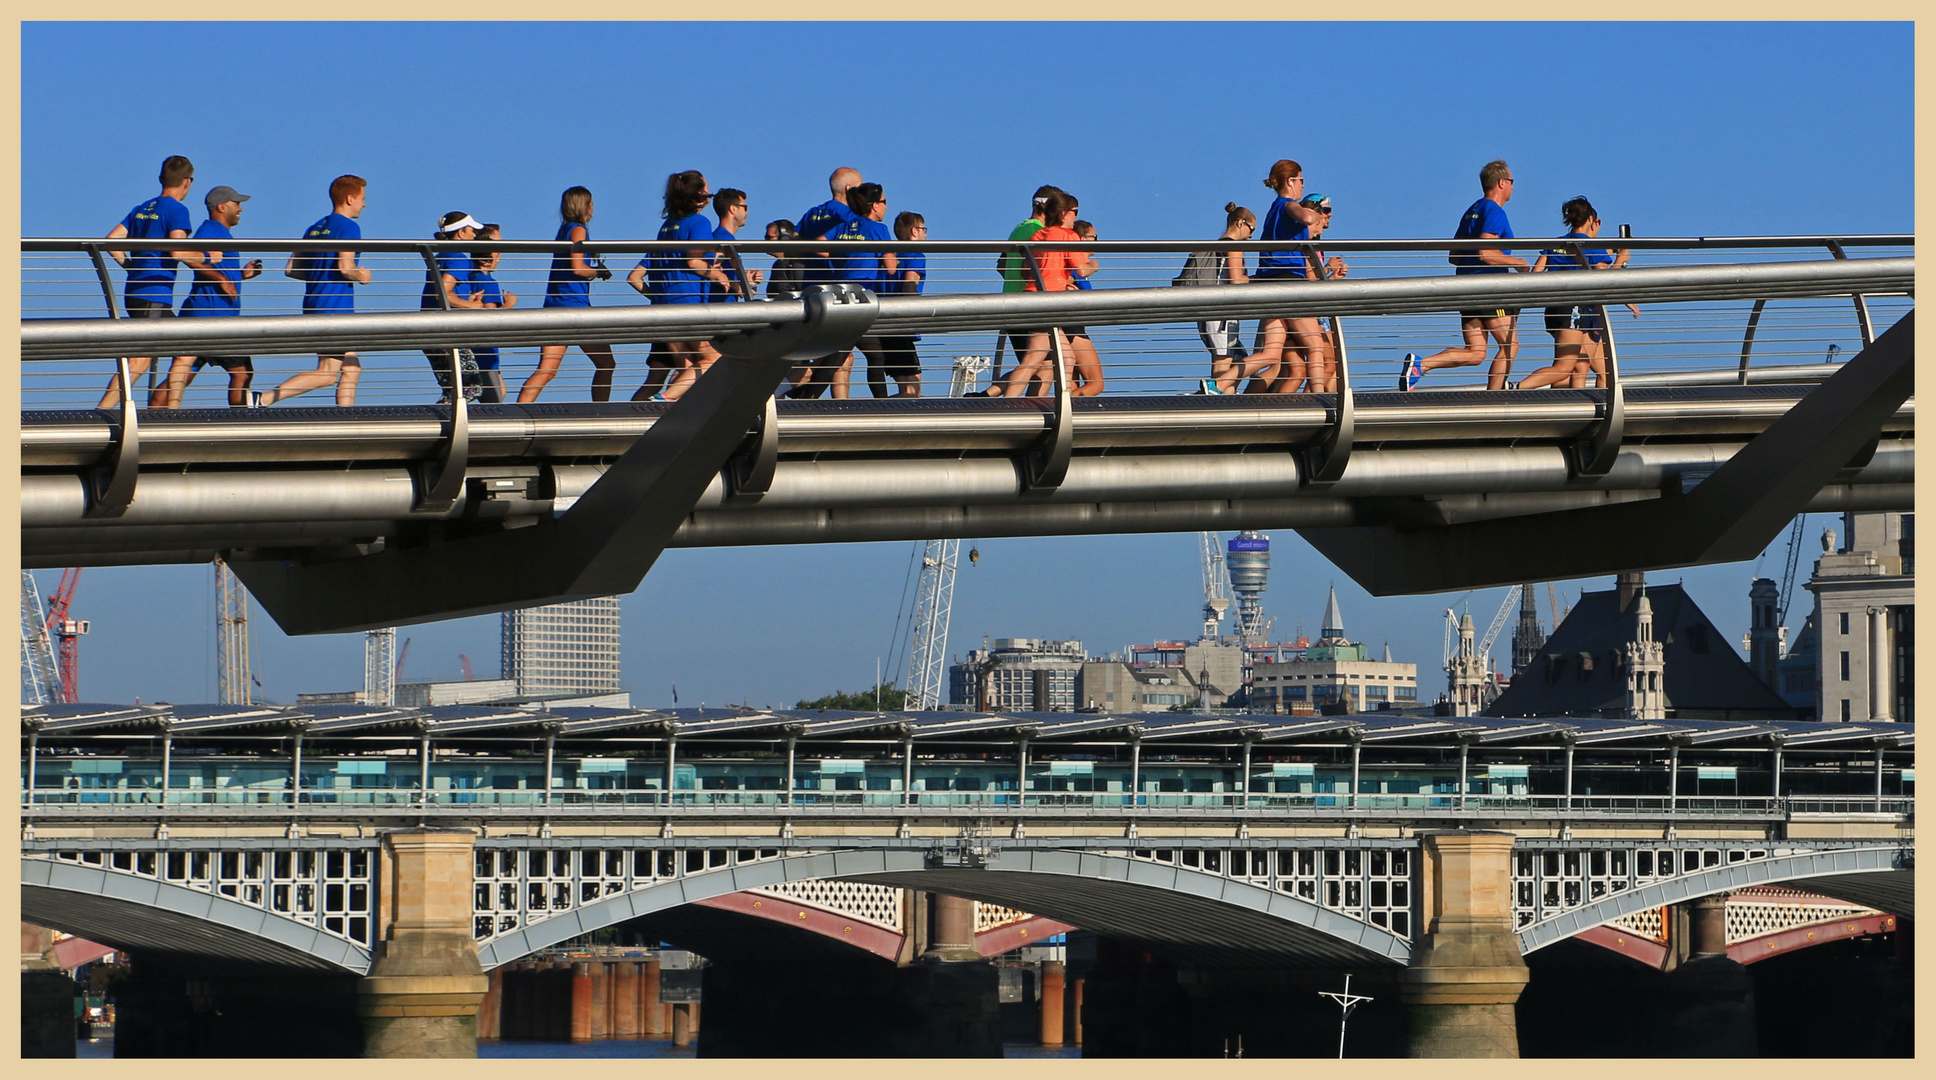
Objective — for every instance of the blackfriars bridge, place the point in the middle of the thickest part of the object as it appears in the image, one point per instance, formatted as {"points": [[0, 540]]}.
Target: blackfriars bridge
{"points": [[424, 849]]}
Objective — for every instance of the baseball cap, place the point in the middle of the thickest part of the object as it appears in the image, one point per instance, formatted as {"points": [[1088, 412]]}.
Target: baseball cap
{"points": [[457, 219], [1317, 201], [222, 193]]}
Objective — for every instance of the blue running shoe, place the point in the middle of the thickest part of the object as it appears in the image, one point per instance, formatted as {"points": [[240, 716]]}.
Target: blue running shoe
{"points": [[1210, 387], [1409, 372]]}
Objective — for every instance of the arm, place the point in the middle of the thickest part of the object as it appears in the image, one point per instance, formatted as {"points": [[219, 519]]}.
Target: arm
{"points": [[890, 262], [579, 267], [190, 259], [1234, 262], [205, 271], [346, 265], [117, 233], [636, 278], [1336, 266], [1495, 257], [510, 300], [1539, 266], [700, 262], [254, 269], [456, 301]]}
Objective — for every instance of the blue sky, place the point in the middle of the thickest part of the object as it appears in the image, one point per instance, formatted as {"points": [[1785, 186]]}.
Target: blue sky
{"points": [[1679, 129]]}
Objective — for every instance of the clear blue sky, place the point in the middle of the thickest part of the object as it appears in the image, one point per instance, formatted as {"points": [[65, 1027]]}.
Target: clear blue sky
{"points": [[1679, 129]]}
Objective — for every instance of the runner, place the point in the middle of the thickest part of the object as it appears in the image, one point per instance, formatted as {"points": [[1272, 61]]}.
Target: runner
{"points": [[686, 276], [870, 270], [1579, 340], [572, 272], [1483, 220], [328, 279], [150, 289], [216, 291], [1284, 344]]}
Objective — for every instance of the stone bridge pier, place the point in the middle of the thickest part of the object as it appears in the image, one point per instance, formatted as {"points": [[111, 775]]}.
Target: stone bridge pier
{"points": [[1466, 971]]}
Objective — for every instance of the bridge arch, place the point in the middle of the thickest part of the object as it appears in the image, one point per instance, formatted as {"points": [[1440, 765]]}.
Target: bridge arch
{"points": [[1196, 918], [1877, 876], [190, 929]]}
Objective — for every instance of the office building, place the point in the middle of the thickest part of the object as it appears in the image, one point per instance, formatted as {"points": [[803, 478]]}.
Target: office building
{"points": [[1335, 674], [1865, 617], [1018, 675], [563, 650]]}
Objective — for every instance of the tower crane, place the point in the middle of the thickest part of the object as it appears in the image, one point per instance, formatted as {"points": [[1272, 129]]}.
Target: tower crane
{"points": [[934, 598], [1499, 621], [39, 678], [1553, 601], [1216, 585], [1788, 572], [66, 632]]}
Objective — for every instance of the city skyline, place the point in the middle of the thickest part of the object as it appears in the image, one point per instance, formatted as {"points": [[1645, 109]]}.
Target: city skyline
{"points": [[1703, 136]]}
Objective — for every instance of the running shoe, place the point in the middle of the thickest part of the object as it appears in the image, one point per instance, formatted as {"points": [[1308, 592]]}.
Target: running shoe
{"points": [[1210, 387], [255, 399], [1409, 372]]}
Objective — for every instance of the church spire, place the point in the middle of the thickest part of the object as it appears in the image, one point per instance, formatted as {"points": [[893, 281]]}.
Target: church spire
{"points": [[1333, 628]]}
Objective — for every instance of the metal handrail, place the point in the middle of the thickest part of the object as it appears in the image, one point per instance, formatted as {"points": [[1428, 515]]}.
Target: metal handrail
{"points": [[62, 339], [1659, 243]]}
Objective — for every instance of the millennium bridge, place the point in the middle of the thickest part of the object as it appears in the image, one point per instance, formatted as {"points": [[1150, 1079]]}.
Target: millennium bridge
{"points": [[238, 843], [1717, 423]]}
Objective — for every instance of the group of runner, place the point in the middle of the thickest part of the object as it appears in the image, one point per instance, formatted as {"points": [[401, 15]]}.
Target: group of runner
{"points": [[1292, 354]]}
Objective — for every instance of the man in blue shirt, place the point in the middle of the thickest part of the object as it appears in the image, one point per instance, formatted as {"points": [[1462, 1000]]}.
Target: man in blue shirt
{"points": [[1483, 220], [810, 379], [150, 291], [216, 291], [729, 204], [327, 278]]}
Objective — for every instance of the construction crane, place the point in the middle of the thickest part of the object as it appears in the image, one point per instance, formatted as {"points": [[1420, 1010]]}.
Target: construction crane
{"points": [[396, 677], [66, 632], [934, 598], [381, 664], [1216, 585], [1553, 601], [39, 678], [234, 676], [1788, 572], [464, 659], [1499, 621]]}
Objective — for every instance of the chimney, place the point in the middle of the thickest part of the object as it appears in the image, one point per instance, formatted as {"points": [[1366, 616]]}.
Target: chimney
{"points": [[1628, 584]]}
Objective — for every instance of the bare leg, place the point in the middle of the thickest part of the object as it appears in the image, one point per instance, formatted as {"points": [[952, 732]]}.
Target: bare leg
{"points": [[843, 376], [1027, 366], [239, 380], [137, 366], [1566, 355], [346, 386], [329, 371], [603, 367], [169, 394], [1506, 332], [1086, 371], [1472, 352], [549, 358]]}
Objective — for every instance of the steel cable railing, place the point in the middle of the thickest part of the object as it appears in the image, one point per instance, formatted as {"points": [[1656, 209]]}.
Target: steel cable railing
{"points": [[1672, 339]]}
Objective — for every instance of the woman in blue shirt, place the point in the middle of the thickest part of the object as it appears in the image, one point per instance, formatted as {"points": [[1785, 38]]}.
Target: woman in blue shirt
{"points": [[452, 278], [1579, 343], [487, 292], [686, 276], [1282, 368], [572, 272]]}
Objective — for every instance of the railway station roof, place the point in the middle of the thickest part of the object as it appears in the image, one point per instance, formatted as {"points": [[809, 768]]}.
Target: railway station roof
{"points": [[578, 726]]}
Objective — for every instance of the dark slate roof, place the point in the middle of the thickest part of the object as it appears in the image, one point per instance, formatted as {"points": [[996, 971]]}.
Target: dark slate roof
{"points": [[1705, 677]]}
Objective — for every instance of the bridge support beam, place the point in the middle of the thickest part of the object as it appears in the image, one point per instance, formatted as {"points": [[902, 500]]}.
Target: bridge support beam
{"points": [[1053, 979], [422, 995], [46, 998], [951, 934], [1710, 1004], [1466, 971]]}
